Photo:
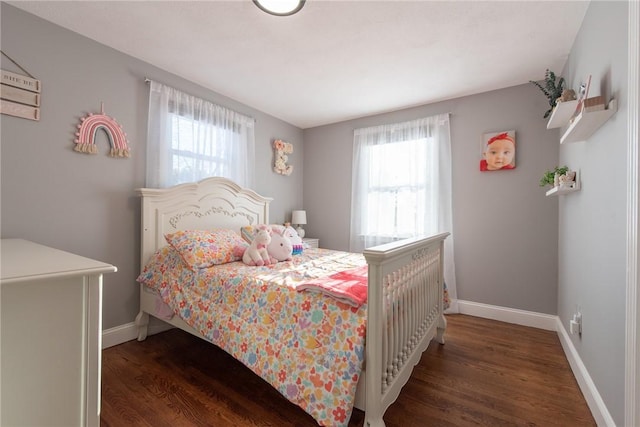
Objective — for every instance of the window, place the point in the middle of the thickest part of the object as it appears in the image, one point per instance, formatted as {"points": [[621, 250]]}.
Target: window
{"points": [[401, 186], [399, 191], [401, 172], [190, 139], [190, 156]]}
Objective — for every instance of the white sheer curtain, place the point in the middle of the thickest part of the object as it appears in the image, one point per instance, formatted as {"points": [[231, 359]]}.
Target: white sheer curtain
{"points": [[401, 186], [190, 139]]}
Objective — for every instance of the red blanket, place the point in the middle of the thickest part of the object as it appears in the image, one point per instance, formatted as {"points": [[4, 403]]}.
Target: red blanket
{"points": [[349, 286]]}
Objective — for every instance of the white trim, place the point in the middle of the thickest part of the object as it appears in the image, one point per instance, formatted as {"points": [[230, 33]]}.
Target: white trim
{"points": [[453, 306], [597, 406], [129, 331], [632, 344], [509, 315]]}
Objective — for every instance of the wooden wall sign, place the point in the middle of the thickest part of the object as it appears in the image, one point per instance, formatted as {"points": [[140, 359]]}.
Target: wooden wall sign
{"points": [[19, 95], [19, 110], [22, 82]]}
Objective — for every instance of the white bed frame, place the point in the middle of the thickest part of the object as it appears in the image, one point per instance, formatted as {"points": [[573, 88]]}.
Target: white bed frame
{"points": [[405, 297]]}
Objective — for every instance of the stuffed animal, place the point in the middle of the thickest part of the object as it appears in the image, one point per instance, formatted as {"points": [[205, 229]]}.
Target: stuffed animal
{"points": [[567, 95], [280, 247], [296, 241], [567, 179], [256, 253]]}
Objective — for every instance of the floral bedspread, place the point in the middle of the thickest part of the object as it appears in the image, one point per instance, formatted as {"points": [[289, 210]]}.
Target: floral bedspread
{"points": [[308, 346]]}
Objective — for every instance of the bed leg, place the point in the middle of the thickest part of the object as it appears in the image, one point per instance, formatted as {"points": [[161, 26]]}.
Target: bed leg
{"points": [[142, 322], [442, 325]]}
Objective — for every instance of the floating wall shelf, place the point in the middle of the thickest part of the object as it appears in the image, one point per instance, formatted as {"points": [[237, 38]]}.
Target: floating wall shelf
{"points": [[587, 123], [561, 190], [562, 112]]}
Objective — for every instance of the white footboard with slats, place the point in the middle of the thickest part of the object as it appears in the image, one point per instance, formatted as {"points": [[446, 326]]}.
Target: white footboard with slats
{"points": [[405, 311], [405, 282]]}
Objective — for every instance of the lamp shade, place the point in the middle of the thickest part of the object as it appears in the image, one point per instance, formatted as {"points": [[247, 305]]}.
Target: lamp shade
{"points": [[299, 217]]}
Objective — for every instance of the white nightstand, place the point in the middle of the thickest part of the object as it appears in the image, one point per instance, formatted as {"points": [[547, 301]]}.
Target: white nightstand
{"points": [[310, 242]]}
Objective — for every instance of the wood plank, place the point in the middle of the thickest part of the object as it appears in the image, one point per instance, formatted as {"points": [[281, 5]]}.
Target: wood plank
{"points": [[488, 373], [19, 110], [20, 81], [21, 96]]}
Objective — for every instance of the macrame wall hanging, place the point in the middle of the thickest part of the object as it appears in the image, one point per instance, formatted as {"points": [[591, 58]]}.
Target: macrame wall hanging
{"points": [[91, 124], [281, 149]]}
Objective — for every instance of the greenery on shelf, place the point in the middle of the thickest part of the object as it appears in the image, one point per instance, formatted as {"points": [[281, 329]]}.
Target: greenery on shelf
{"points": [[548, 177], [552, 89]]}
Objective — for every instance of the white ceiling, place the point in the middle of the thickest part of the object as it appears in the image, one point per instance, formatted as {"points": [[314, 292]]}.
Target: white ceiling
{"points": [[335, 60]]}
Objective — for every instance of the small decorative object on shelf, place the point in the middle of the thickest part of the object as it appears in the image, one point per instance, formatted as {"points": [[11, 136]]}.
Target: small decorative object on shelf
{"points": [[552, 177], [567, 180], [595, 103], [552, 89], [583, 92], [567, 95], [563, 181]]}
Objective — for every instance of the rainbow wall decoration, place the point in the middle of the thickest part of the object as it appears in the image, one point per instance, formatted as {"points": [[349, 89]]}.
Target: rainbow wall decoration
{"points": [[91, 124]]}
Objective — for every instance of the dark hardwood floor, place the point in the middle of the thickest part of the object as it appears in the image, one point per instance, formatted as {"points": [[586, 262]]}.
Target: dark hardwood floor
{"points": [[488, 373]]}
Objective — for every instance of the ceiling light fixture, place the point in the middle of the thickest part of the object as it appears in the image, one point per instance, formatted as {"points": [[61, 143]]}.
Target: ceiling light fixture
{"points": [[280, 7]]}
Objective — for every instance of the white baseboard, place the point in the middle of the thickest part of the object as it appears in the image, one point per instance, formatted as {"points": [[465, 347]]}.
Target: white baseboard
{"points": [[594, 400], [508, 315], [127, 332]]}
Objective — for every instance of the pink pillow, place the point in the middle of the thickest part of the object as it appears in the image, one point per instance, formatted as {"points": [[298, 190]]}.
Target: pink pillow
{"points": [[205, 248]]}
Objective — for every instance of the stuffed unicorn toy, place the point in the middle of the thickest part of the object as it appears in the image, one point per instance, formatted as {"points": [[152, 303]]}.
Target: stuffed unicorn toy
{"points": [[280, 247], [296, 241], [256, 253]]}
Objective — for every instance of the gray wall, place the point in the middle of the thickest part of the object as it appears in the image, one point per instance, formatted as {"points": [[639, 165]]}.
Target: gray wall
{"points": [[592, 226], [86, 204], [505, 228]]}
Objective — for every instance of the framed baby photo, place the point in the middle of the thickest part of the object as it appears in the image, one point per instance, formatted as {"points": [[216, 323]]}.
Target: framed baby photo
{"points": [[498, 151]]}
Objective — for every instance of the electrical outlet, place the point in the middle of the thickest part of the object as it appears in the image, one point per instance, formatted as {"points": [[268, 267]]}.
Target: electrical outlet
{"points": [[575, 325]]}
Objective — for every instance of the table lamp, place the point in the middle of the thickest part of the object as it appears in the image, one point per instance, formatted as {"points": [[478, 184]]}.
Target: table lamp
{"points": [[299, 218]]}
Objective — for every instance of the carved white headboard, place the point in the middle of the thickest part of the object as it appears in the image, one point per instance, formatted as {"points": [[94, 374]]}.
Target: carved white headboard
{"points": [[207, 204]]}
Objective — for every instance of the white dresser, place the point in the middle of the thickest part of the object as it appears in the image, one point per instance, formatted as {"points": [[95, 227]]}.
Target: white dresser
{"points": [[51, 336]]}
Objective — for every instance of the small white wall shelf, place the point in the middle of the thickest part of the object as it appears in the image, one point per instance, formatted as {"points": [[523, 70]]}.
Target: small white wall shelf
{"points": [[561, 114], [561, 190], [587, 123]]}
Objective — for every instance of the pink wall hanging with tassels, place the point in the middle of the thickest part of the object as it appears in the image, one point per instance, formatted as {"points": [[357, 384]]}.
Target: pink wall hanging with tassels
{"points": [[91, 124]]}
